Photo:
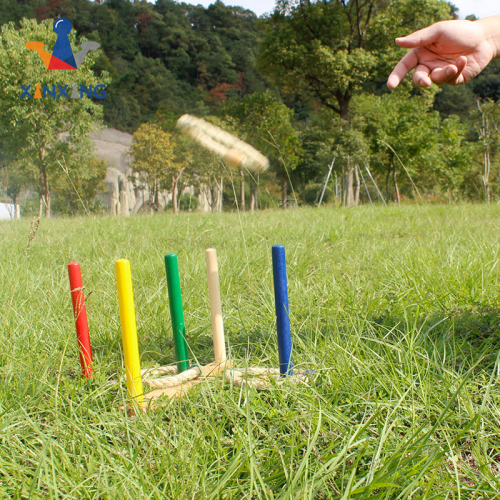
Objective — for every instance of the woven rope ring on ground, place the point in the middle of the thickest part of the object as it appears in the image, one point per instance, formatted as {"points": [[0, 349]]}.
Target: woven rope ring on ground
{"points": [[258, 377], [223, 144], [165, 377], [261, 378]]}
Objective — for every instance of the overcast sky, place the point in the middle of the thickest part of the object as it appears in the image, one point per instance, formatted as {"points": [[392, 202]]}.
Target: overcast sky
{"points": [[481, 8]]}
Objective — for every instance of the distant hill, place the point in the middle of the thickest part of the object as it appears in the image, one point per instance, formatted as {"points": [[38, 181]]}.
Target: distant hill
{"points": [[165, 59]]}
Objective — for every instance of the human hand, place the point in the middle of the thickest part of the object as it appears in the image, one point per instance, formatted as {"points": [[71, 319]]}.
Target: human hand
{"points": [[450, 52]]}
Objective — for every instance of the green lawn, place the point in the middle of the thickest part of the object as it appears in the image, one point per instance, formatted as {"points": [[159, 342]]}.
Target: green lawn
{"points": [[395, 310]]}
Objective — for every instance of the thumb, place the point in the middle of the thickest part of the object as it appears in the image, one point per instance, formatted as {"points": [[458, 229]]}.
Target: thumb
{"points": [[420, 38]]}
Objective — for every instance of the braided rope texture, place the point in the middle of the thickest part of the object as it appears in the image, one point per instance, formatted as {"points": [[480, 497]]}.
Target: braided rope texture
{"points": [[223, 144], [166, 379], [260, 377]]}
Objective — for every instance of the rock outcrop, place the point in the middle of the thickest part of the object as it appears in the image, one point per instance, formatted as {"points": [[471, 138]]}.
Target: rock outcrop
{"points": [[127, 195]]}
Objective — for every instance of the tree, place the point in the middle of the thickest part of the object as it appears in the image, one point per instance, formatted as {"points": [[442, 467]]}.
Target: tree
{"points": [[182, 160], [12, 183], [456, 100], [38, 125], [318, 135], [453, 163], [79, 183], [401, 129], [487, 84], [410, 144], [13, 10], [333, 50], [208, 171], [153, 152], [266, 124], [12, 179], [170, 57], [352, 151], [489, 134]]}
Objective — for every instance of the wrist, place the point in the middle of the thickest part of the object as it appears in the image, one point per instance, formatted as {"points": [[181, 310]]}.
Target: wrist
{"points": [[491, 28]]}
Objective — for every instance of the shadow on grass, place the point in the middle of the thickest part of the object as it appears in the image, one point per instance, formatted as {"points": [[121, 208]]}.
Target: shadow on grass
{"points": [[471, 336]]}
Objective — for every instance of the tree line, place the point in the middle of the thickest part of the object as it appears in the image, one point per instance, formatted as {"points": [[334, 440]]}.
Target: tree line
{"points": [[305, 85]]}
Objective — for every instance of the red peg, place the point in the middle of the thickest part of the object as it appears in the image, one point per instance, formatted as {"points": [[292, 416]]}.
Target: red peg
{"points": [[80, 313]]}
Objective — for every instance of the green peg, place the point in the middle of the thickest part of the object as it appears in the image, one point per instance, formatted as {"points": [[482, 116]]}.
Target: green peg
{"points": [[176, 311]]}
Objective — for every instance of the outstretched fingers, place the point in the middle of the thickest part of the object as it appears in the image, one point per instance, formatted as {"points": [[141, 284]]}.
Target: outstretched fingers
{"points": [[420, 38], [403, 67], [423, 76]]}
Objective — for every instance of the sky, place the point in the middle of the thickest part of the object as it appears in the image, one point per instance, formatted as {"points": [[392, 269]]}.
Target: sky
{"points": [[481, 8]]}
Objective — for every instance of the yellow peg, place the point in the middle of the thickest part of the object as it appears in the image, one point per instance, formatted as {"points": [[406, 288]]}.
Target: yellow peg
{"points": [[129, 330]]}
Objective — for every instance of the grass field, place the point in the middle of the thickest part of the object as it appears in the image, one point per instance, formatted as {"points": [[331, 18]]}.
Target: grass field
{"points": [[396, 311]]}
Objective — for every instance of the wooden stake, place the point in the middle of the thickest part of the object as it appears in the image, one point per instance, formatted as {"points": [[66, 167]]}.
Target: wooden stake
{"points": [[129, 330], [80, 314], [215, 306], [282, 310], [176, 312]]}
